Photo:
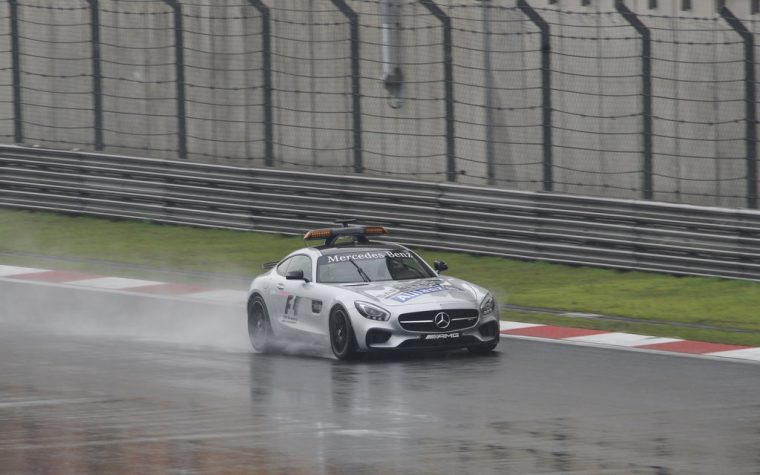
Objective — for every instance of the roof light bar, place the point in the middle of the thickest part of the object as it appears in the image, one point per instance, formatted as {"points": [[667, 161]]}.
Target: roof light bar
{"points": [[331, 235], [318, 234], [375, 230]]}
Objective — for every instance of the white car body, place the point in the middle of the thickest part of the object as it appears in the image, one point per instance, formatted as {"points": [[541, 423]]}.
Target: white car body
{"points": [[421, 312]]}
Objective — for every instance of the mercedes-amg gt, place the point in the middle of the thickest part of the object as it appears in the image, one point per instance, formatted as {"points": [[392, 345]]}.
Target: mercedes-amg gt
{"points": [[360, 296]]}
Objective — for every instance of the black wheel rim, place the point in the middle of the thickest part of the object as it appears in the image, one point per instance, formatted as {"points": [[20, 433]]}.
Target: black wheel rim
{"points": [[258, 325], [339, 332]]}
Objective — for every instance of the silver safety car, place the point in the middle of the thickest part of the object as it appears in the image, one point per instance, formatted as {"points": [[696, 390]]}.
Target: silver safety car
{"points": [[360, 296]]}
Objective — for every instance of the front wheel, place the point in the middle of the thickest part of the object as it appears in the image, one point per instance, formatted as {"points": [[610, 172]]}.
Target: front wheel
{"points": [[259, 328], [342, 339]]}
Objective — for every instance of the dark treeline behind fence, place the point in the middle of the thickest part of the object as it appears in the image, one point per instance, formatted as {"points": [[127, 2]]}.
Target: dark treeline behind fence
{"points": [[605, 101]]}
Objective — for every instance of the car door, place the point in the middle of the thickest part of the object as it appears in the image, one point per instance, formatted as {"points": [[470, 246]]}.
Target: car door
{"points": [[277, 295], [303, 306]]}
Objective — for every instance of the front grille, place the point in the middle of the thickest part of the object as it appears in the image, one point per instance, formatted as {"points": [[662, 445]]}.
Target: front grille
{"points": [[424, 322]]}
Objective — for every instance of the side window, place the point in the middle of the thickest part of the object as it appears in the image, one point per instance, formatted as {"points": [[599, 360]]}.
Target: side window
{"points": [[282, 268], [301, 263]]}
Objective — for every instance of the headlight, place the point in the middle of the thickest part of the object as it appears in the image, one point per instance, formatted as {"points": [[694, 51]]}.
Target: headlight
{"points": [[488, 305], [373, 312]]}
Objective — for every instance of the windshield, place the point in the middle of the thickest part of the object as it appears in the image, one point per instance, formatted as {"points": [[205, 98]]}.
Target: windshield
{"points": [[371, 266]]}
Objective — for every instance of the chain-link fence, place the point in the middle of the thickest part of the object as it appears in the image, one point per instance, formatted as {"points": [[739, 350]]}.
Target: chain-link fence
{"points": [[601, 101]]}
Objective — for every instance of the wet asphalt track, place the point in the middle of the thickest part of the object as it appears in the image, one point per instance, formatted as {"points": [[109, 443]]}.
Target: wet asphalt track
{"points": [[86, 401]]}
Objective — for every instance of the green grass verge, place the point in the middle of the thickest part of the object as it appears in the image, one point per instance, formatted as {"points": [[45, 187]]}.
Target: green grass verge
{"points": [[727, 304]]}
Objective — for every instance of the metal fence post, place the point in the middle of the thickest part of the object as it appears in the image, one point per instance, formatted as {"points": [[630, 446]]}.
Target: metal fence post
{"points": [[750, 99], [546, 89], [646, 91], [356, 103], [448, 73], [266, 51], [97, 77], [488, 93], [179, 48], [18, 121]]}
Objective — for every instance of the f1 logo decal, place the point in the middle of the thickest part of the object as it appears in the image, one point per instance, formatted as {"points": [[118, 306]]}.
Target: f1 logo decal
{"points": [[292, 304]]}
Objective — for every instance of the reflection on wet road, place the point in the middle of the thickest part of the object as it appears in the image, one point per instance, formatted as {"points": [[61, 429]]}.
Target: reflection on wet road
{"points": [[85, 404]]}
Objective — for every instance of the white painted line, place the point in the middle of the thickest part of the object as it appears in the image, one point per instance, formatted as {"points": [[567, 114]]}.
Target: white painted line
{"points": [[580, 314], [622, 339], [46, 402], [113, 283], [8, 271], [220, 295], [507, 325], [745, 354]]}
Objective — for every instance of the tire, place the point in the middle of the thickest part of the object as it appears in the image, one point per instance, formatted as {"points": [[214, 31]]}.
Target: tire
{"points": [[342, 338], [259, 327], [483, 349]]}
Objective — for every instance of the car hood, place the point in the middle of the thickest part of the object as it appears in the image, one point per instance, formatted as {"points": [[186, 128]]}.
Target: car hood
{"points": [[419, 291]]}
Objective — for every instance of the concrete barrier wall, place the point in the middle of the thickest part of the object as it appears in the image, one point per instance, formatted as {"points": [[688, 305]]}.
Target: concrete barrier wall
{"points": [[699, 147]]}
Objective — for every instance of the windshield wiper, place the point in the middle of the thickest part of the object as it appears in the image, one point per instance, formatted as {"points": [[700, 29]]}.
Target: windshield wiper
{"points": [[361, 271]]}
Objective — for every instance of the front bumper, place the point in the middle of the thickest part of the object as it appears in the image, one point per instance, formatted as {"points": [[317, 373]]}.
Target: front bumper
{"points": [[380, 336]]}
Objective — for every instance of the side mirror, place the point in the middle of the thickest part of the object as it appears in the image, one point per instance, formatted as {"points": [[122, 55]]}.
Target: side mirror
{"points": [[296, 275], [440, 266]]}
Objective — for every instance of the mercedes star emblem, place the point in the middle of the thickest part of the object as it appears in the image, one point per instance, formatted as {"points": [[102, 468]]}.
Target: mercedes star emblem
{"points": [[442, 320]]}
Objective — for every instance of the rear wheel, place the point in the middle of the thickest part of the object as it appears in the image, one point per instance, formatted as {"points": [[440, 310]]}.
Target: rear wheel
{"points": [[342, 339], [259, 328]]}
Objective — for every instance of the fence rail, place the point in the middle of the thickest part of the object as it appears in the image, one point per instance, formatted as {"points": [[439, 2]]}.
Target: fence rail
{"points": [[623, 234]]}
